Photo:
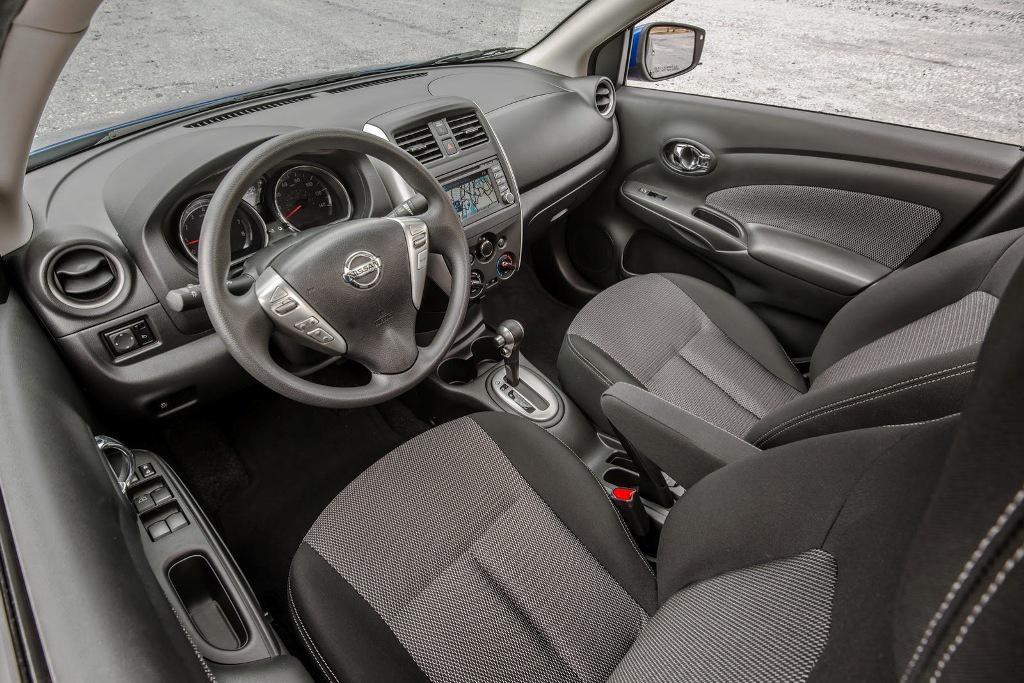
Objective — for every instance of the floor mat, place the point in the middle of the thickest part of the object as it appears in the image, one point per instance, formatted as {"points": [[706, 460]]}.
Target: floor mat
{"points": [[544, 317], [264, 467]]}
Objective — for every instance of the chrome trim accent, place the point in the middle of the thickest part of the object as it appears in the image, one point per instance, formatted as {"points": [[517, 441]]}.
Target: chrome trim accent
{"points": [[371, 266], [513, 185], [532, 380], [104, 443], [301, 322], [330, 179], [244, 206], [417, 239]]}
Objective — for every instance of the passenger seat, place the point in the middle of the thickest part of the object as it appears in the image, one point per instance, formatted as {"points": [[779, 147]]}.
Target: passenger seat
{"points": [[902, 351]]}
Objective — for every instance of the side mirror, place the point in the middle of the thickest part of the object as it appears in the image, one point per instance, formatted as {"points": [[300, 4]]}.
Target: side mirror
{"points": [[660, 51]]}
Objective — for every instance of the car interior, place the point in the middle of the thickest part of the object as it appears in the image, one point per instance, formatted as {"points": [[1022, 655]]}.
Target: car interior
{"points": [[505, 370]]}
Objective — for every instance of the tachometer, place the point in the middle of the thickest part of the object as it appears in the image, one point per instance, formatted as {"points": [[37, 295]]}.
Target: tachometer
{"points": [[248, 231], [307, 196]]}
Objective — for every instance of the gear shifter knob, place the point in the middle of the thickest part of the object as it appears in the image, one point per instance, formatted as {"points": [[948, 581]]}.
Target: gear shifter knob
{"points": [[509, 338]]}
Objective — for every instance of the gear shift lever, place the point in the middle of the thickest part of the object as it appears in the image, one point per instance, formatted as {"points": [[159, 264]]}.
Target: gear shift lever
{"points": [[509, 338]]}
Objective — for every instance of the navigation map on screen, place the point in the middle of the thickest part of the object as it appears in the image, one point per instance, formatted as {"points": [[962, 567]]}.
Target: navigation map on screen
{"points": [[471, 195]]}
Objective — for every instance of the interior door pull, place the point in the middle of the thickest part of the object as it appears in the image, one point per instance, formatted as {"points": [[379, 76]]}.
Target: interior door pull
{"points": [[686, 157]]}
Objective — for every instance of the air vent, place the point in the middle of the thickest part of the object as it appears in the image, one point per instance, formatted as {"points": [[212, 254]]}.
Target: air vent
{"points": [[420, 143], [604, 98], [85, 276], [467, 130], [375, 81], [247, 110]]}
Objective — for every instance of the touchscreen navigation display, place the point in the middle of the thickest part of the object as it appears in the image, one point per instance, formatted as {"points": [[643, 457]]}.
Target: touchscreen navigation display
{"points": [[471, 194]]}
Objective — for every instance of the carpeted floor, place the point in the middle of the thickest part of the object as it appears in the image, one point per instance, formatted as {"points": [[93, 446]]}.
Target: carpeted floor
{"points": [[544, 317], [264, 467]]}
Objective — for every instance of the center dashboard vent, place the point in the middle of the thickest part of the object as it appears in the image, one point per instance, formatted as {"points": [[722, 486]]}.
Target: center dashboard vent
{"points": [[85, 276], [419, 141], [246, 110], [604, 98], [467, 130], [376, 81]]}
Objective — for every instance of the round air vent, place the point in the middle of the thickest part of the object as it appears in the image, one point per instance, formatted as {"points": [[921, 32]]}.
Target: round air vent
{"points": [[604, 98], [84, 276]]}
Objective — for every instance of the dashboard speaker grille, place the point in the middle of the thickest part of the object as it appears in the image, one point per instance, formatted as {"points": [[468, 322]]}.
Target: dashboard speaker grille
{"points": [[420, 143], [85, 276], [467, 130], [604, 98], [246, 110]]}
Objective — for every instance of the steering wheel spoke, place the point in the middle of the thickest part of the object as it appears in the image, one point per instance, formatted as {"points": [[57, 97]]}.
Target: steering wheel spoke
{"points": [[294, 317], [417, 237]]}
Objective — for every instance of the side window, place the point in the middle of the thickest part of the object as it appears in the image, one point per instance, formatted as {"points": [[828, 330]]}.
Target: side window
{"points": [[949, 65]]}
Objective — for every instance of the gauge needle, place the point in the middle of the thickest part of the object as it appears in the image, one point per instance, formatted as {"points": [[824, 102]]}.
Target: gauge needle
{"points": [[191, 242], [293, 211]]}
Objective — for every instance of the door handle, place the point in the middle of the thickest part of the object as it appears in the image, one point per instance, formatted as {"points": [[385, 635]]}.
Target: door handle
{"points": [[688, 158]]}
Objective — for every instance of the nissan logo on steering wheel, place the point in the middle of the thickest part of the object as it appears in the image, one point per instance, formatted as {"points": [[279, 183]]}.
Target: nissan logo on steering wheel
{"points": [[362, 270]]}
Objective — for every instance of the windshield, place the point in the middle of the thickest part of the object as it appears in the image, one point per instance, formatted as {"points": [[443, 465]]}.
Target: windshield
{"points": [[146, 57]]}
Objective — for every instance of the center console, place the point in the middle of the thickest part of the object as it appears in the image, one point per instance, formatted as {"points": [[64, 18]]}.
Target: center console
{"points": [[453, 140]]}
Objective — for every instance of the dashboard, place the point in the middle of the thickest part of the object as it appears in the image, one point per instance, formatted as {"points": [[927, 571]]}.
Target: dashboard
{"points": [[111, 267]]}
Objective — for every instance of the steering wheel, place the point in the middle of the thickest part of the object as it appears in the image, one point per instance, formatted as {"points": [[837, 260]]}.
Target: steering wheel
{"points": [[347, 289]]}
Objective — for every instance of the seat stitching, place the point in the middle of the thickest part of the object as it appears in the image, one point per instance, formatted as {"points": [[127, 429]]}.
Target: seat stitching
{"points": [[865, 400], [568, 340], [774, 431], [604, 495], [307, 639], [961, 580], [975, 612]]}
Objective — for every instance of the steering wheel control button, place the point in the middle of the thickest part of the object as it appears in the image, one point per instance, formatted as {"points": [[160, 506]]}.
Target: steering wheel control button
{"points": [[285, 306], [417, 239], [305, 325], [362, 270], [143, 502], [294, 317], [321, 335], [158, 530]]}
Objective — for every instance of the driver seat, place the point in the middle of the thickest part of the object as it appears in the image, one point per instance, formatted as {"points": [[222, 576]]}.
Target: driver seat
{"points": [[484, 550]]}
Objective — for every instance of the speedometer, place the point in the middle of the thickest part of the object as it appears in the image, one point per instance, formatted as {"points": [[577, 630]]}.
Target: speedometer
{"points": [[307, 196], [248, 231]]}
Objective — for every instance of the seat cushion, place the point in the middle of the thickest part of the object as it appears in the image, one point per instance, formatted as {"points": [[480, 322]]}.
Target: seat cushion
{"points": [[684, 340], [481, 550]]}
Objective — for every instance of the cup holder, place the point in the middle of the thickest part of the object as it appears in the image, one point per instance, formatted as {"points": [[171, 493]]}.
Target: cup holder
{"points": [[616, 476], [456, 371]]}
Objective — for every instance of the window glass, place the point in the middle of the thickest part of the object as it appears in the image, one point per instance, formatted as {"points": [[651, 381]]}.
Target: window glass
{"points": [[950, 65]]}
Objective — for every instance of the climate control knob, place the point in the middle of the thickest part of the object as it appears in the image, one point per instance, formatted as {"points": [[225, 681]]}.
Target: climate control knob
{"points": [[485, 249], [506, 265]]}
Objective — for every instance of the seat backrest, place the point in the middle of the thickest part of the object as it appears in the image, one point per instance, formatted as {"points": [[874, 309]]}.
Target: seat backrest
{"points": [[905, 349], [888, 553]]}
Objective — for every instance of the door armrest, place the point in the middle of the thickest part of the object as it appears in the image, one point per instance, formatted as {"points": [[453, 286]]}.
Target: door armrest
{"points": [[683, 445]]}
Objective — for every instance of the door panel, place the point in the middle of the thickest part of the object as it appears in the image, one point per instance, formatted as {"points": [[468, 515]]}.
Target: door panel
{"points": [[797, 210]]}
